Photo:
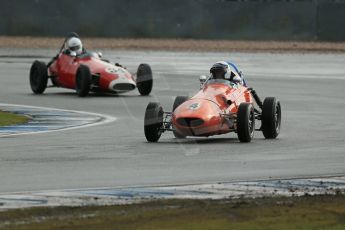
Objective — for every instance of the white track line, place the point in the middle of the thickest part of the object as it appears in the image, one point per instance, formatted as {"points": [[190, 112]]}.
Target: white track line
{"points": [[105, 119]]}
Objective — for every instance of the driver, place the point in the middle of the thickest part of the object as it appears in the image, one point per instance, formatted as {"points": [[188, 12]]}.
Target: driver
{"points": [[74, 44], [227, 71]]}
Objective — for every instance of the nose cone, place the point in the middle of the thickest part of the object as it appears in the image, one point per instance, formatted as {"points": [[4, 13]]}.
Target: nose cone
{"points": [[197, 117], [121, 84]]}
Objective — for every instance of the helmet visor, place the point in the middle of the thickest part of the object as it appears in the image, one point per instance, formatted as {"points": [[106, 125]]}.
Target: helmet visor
{"points": [[74, 48], [220, 74]]}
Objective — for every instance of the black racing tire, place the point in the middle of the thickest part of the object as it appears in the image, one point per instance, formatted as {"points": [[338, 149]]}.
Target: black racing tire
{"points": [[38, 77], [245, 122], [153, 122], [178, 101], [271, 118], [144, 79], [83, 81]]}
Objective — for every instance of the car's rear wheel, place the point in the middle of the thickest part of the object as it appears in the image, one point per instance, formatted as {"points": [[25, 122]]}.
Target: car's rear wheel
{"points": [[38, 77], [245, 122], [271, 118], [83, 81], [153, 122], [178, 101], [144, 79]]}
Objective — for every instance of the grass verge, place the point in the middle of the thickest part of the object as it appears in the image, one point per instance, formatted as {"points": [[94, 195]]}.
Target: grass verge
{"points": [[284, 213], [7, 118], [176, 44]]}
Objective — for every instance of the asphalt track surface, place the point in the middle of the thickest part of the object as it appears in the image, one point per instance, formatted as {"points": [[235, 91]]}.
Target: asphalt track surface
{"points": [[312, 140]]}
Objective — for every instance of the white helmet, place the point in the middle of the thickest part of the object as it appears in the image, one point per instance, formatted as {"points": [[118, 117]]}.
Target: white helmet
{"points": [[74, 44]]}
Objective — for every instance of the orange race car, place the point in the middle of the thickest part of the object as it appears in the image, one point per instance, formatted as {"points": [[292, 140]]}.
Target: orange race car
{"points": [[224, 104]]}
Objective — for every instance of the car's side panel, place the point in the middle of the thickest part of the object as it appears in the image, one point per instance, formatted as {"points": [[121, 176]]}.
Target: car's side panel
{"points": [[64, 69], [107, 72]]}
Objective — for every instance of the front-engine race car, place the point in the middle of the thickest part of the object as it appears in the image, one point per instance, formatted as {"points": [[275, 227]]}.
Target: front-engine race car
{"points": [[88, 72], [221, 106]]}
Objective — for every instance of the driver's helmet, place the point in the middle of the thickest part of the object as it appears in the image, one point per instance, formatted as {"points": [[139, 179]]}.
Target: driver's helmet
{"points": [[222, 70], [74, 45]]}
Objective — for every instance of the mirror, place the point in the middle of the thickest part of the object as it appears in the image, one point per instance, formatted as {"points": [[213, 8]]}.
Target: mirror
{"points": [[100, 55], [202, 80]]}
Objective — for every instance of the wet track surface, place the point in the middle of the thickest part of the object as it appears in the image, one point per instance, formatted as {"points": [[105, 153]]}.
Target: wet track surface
{"points": [[312, 141]]}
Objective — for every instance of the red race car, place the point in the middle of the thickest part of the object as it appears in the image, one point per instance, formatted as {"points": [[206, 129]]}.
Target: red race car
{"points": [[221, 106], [87, 72]]}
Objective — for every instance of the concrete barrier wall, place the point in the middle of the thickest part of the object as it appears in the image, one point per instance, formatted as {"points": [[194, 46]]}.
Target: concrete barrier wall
{"points": [[331, 21], [202, 19]]}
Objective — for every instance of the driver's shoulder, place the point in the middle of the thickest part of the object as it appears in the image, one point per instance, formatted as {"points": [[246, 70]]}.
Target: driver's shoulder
{"points": [[66, 52]]}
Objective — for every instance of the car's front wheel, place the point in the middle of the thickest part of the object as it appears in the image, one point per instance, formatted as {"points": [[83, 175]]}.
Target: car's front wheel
{"points": [[245, 122], [178, 101], [271, 117], [153, 121], [38, 77], [83, 81], [144, 79]]}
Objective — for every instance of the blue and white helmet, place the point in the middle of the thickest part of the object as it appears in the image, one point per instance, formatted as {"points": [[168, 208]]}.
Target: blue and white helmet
{"points": [[222, 70]]}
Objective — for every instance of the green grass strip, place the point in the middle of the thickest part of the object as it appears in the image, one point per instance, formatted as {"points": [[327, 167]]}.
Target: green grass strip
{"points": [[7, 118], [305, 213]]}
